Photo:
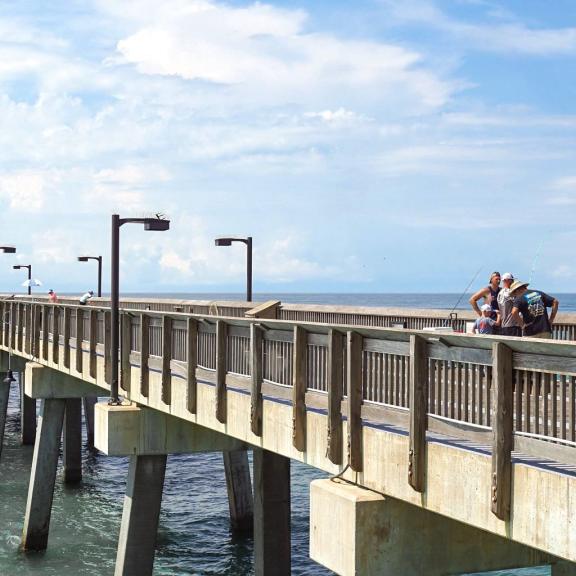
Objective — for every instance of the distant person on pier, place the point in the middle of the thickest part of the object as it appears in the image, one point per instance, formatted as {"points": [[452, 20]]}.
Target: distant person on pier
{"points": [[530, 308], [490, 295], [85, 298], [486, 324], [510, 323], [52, 296]]}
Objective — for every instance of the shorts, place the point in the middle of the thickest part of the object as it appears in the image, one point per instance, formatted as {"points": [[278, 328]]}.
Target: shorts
{"points": [[511, 331]]}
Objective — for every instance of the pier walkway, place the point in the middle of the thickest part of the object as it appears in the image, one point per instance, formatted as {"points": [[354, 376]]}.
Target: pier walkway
{"points": [[453, 452]]}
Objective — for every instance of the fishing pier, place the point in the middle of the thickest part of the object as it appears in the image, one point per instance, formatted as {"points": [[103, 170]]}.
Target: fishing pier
{"points": [[448, 452]]}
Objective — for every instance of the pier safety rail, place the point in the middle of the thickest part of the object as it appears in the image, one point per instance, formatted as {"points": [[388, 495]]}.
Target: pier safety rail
{"points": [[511, 393]]}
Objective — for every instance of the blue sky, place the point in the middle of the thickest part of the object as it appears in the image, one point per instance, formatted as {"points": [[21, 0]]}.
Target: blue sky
{"points": [[373, 146]]}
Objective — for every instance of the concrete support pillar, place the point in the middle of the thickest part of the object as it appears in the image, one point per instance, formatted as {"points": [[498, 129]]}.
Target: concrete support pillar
{"points": [[4, 394], [27, 415], [43, 475], [137, 541], [72, 448], [89, 403], [271, 514], [239, 486]]}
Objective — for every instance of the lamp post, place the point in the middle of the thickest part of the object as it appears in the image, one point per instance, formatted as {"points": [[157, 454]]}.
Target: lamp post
{"points": [[99, 260], [8, 249], [29, 266], [152, 224], [227, 241]]}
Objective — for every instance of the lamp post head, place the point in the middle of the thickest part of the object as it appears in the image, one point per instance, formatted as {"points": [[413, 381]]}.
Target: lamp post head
{"points": [[156, 224], [17, 266], [82, 258], [223, 241], [8, 249]]}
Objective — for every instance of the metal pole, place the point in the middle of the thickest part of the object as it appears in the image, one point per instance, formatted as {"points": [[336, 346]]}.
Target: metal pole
{"points": [[114, 313], [99, 276], [249, 269], [29, 280]]}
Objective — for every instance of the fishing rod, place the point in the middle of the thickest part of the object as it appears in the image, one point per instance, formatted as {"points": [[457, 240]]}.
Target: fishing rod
{"points": [[536, 256], [449, 319]]}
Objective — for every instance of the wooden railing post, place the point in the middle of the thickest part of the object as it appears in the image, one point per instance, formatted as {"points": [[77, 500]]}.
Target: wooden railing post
{"points": [[125, 345], [66, 336], [502, 430], [12, 325], [354, 377], [55, 334], [418, 412], [93, 318], [256, 379], [79, 338], [144, 354], [221, 350], [299, 359], [192, 364], [4, 323], [107, 347], [45, 330], [28, 323], [335, 393], [166, 357], [21, 327]]}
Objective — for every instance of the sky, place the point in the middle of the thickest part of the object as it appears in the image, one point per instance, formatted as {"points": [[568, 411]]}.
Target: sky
{"points": [[367, 146]]}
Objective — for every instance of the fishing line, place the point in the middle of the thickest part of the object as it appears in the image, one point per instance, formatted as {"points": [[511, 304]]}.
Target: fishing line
{"points": [[462, 295], [536, 256]]}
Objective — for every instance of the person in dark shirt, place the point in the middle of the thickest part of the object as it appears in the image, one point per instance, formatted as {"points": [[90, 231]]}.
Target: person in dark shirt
{"points": [[532, 306]]}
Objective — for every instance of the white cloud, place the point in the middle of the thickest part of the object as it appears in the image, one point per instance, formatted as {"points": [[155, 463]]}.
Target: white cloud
{"points": [[263, 54], [25, 190], [501, 33]]}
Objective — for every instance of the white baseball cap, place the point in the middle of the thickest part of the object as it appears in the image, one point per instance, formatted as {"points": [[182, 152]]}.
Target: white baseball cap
{"points": [[486, 308], [508, 276]]}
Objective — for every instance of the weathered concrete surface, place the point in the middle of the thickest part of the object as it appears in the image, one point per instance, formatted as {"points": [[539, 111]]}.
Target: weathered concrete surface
{"points": [[42, 382], [72, 444], [271, 514], [137, 540], [356, 532], [124, 430], [43, 475]]}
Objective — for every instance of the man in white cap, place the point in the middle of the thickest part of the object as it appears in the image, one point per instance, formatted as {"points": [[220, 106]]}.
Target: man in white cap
{"points": [[485, 324], [531, 305], [510, 324]]}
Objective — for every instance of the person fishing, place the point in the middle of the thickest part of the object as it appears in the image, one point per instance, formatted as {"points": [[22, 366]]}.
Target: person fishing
{"points": [[532, 306], [490, 295], [510, 323]]}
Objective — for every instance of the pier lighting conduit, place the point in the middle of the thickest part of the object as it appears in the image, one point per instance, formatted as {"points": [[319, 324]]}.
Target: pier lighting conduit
{"points": [[99, 260], [227, 241], [29, 266], [158, 224]]}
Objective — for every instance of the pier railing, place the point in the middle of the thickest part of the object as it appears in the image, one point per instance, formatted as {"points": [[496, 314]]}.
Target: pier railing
{"points": [[508, 393], [564, 327]]}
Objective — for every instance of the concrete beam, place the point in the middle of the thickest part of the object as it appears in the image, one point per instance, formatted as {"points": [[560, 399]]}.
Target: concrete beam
{"points": [[44, 382], [43, 475], [137, 540], [356, 532], [125, 430]]}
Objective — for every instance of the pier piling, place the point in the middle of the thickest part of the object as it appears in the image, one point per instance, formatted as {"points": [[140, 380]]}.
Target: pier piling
{"points": [[88, 404], [72, 446], [4, 394], [137, 541], [271, 514], [43, 475], [27, 415], [239, 486]]}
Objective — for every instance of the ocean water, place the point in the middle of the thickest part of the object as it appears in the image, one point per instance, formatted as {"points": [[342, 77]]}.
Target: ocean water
{"points": [[194, 536]]}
